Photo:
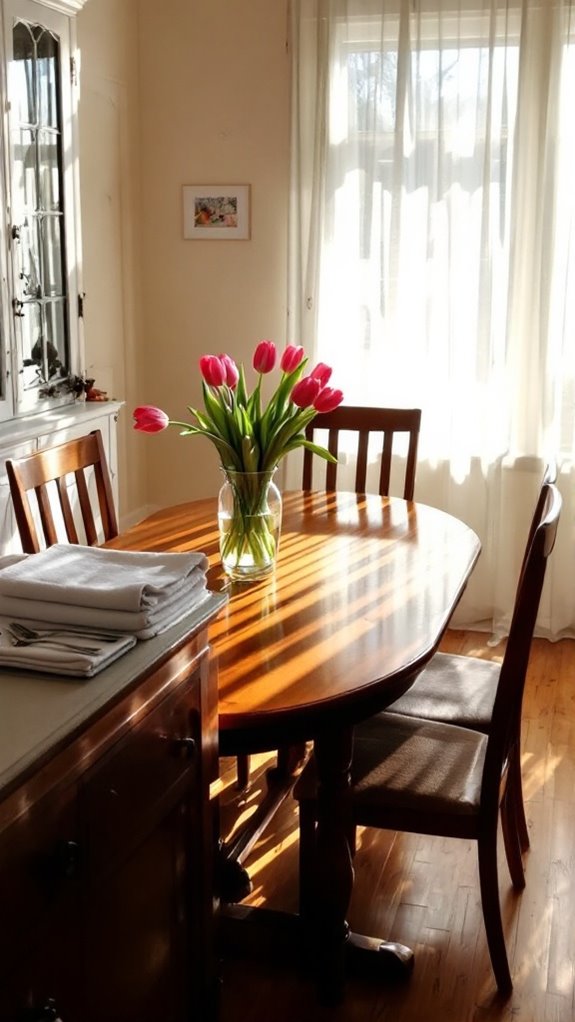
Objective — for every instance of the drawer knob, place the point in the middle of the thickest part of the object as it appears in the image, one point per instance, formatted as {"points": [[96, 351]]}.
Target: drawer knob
{"points": [[184, 747], [48, 1013], [67, 862]]}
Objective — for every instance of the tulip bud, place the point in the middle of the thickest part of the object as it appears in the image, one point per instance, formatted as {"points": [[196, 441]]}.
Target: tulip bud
{"points": [[322, 372], [232, 373], [328, 399], [305, 392], [264, 357], [213, 370], [149, 419], [291, 357]]}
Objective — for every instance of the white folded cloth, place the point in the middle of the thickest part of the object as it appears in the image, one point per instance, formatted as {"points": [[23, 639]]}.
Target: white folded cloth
{"points": [[103, 578], [141, 593], [142, 624], [57, 660]]}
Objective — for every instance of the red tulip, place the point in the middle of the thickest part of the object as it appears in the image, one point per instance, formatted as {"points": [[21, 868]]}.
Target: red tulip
{"points": [[213, 370], [232, 374], [328, 399], [149, 419], [305, 392], [264, 357], [321, 373], [291, 357]]}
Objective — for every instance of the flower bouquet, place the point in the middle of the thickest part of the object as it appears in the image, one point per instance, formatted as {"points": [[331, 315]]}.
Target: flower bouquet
{"points": [[251, 439]]}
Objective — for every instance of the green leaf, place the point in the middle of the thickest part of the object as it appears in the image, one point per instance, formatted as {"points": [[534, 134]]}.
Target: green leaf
{"points": [[241, 389], [322, 452]]}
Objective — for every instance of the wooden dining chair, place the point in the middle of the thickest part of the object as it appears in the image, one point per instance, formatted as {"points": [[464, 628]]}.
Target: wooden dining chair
{"points": [[46, 474], [427, 777], [461, 690], [388, 423]]}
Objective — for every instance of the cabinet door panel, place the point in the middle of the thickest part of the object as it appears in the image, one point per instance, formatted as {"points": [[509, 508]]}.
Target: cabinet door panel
{"points": [[136, 932], [136, 782]]}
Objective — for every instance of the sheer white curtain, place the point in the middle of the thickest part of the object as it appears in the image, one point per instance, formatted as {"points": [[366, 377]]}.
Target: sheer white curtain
{"points": [[432, 255]]}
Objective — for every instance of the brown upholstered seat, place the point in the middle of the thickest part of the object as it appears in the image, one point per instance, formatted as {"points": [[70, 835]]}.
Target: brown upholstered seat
{"points": [[461, 690], [427, 777]]}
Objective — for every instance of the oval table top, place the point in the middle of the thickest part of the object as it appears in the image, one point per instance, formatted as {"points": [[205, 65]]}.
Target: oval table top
{"points": [[363, 590]]}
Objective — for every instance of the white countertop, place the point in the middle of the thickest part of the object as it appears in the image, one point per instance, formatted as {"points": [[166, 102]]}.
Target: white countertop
{"points": [[38, 710]]}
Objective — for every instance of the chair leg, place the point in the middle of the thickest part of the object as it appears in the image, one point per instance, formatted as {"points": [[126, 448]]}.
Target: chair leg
{"points": [[512, 840], [487, 855], [307, 850], [243, 772], [516, 790]]}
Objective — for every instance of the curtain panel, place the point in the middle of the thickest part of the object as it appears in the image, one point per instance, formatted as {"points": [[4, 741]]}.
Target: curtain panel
{"points": [[432, 252]]}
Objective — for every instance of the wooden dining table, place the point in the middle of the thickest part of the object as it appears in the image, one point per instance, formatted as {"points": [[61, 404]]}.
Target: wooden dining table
{"points": [[363, 589]]}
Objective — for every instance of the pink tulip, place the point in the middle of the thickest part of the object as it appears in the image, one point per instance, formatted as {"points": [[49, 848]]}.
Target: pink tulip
{"points": [[213, 370], [149, 419], [264, 357], [232, 374], [291, 357], [328, 399], [321, 373], [305, 392]]}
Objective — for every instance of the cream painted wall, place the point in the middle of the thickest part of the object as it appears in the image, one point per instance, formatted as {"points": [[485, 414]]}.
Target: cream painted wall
{"points": [[109, 183], [214, 107], [174, 93]]}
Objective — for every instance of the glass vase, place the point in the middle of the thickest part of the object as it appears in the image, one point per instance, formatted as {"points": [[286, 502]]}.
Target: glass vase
{"points": [[249, 521]]}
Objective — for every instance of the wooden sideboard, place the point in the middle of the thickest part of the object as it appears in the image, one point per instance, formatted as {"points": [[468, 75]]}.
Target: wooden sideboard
{"points": [[106, 836]]}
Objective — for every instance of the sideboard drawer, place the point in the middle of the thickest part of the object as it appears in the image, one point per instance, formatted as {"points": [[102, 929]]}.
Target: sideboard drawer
{"points": [[132, 785]]}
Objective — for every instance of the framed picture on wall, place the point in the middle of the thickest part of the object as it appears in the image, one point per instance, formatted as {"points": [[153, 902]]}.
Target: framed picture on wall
{"points": [[216, 212]]}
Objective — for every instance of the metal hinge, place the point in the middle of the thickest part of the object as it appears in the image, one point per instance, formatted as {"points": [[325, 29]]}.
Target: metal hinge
{"points": [[73, 71], [81, 297]]}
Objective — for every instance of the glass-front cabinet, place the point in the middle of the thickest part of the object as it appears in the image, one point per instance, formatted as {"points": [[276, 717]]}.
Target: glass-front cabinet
{"points": [[41, 343], [42, 302]]}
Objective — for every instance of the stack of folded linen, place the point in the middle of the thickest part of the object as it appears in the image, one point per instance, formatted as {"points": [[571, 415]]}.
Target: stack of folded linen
{"points": [[139, 594]]}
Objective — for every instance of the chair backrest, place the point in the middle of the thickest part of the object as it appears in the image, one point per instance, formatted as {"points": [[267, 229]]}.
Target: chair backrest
{"points": [[52, 466], [549, 476], [504, 731], [363, 421]]}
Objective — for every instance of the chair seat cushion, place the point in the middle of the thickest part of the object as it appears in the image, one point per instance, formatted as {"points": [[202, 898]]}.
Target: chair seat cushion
{"points": [[409, 764], [452, 689]]}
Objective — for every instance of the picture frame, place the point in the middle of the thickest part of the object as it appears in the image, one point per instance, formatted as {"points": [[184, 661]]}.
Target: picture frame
{"points": [[216, 212]]}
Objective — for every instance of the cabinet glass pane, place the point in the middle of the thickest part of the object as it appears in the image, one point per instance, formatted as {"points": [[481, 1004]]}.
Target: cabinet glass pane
{"points": [[22, 77], [24, 169], [47, 71], [56, 355], [41, 275], [52, 256], [49, 171], [27, 251], [32, 349]]}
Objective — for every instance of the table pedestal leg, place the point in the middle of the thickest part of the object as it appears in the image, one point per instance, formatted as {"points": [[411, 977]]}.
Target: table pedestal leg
{"points": [[333, 862]]}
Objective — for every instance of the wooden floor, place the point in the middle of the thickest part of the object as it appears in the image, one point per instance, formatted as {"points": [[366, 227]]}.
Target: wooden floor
{"points": [[424, 892]]}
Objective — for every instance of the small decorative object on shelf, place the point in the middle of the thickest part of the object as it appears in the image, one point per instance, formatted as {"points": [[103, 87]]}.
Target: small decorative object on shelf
{"points": [[79, 386], [251, 441]]}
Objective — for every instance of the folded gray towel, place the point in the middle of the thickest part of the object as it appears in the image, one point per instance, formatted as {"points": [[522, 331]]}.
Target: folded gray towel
{"points": [[101, 578], [143, 624]]}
